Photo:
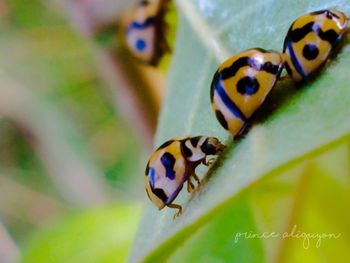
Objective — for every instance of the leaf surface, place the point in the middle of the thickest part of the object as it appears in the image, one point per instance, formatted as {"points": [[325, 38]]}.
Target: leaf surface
{"points": [[296, 125]]}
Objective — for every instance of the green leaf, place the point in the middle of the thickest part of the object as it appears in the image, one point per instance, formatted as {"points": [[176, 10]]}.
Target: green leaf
{"points": [[100, 235], [296, 126], [294, 198]]}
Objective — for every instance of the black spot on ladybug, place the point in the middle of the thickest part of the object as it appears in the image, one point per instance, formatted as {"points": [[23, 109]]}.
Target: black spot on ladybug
{"points": [[168, 161], [147, 169], [195, 140], [271, 68], [298, 34], [221, 119], [310, 51], [167, 143], [261, 50], [161, 194], [247, 86], [186, 152]]}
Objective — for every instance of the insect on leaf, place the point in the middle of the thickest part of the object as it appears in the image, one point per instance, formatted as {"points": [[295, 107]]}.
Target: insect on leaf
{"points": [[262, 179]]}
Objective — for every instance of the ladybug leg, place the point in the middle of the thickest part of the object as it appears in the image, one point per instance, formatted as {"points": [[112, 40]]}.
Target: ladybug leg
{"points": [[179, 209], [190, 186], [196, 178], [208, 162]]}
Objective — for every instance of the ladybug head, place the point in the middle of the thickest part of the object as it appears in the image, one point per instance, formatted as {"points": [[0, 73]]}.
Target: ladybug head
{"points": [[212, 146]]}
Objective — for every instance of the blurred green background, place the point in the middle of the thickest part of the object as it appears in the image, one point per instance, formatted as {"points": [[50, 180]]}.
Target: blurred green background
{"points": [[67, 157]]}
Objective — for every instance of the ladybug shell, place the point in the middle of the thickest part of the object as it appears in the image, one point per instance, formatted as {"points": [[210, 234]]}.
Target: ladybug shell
{"points": [[144, 34], [141, 40], [166, 172], [241, 84], [311, 40]]}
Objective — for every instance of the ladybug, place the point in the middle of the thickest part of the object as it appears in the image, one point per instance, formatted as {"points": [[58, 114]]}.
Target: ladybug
{"points": [[241, 84], [310, 41], [174, 163], [145, 33]]}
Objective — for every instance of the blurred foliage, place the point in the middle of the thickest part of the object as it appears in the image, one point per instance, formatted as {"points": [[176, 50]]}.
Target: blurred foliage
{"points": [[38, 47], [31, 13], [75, 86], [98, 235]]}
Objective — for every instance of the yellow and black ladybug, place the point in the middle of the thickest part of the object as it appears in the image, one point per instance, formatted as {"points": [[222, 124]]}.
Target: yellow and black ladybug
{"points": [[241, 84], [174, 163], [145, 33], [311, 40]]}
